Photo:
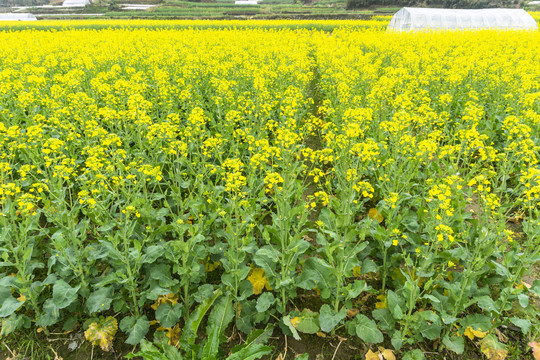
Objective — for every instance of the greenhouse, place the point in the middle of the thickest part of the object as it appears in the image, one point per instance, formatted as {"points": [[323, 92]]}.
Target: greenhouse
{"points": [[75, 3], [17, 17], [452, 19]]}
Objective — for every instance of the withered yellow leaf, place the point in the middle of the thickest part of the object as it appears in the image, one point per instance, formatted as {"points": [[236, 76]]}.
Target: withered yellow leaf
{"points": [[295, 321], [257, 280], [352, 313], [375, 215], [102, 333], [382, 303], [371, 355], [492, 348], [471, 333]]}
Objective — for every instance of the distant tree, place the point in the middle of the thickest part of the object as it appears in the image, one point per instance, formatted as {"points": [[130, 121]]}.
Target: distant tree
{"points": [[113, 5]]}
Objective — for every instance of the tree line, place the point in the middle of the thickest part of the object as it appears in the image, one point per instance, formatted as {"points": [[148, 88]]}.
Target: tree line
{"points": [[450, 4]]}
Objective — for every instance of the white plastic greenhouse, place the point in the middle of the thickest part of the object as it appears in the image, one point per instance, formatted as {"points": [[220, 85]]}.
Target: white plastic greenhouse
{"points": [[75, 3], [423, 19], [17, 17]]}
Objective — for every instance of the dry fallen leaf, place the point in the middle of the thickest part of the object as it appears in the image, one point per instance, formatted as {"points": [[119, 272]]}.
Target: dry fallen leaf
{"points": [[502, 337], [371, 355], [307, 238], [535, 349], [382, 354], [387, 353]]}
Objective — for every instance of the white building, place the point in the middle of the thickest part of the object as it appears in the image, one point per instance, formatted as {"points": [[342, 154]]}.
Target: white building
{"points": [[17, 17], [426, 19]]}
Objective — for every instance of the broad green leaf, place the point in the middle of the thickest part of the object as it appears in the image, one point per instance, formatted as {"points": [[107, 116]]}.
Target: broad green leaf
{"points": [[396, 340], [138, 331], [307, 322], [523, 300], [267, 258], [255, 351], [49, 315], [454, 343], [152, 253], [5, 293], [203, 292], [162, 273], [486, 303], [410, 221], [317, 273], [386, 320], [127, 323], [523, 324], [500, 269], [535, 288], [9, 306], [429, 324], [211, 346], [168, 315], [356, 288], [369, 266], [63, 294], [99, 300], [476, 322], [218, 320], [288, 323], [432, 298], [189, 333], [259, 336], [394, 304], [248, 313], [367, 330], [329, 319], [430, 331], [416, 354], [102, 333], [149, 352], [264, 301]]}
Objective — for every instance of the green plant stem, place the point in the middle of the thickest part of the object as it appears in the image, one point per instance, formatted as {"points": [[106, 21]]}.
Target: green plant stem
{"points": [[412, 303]]}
